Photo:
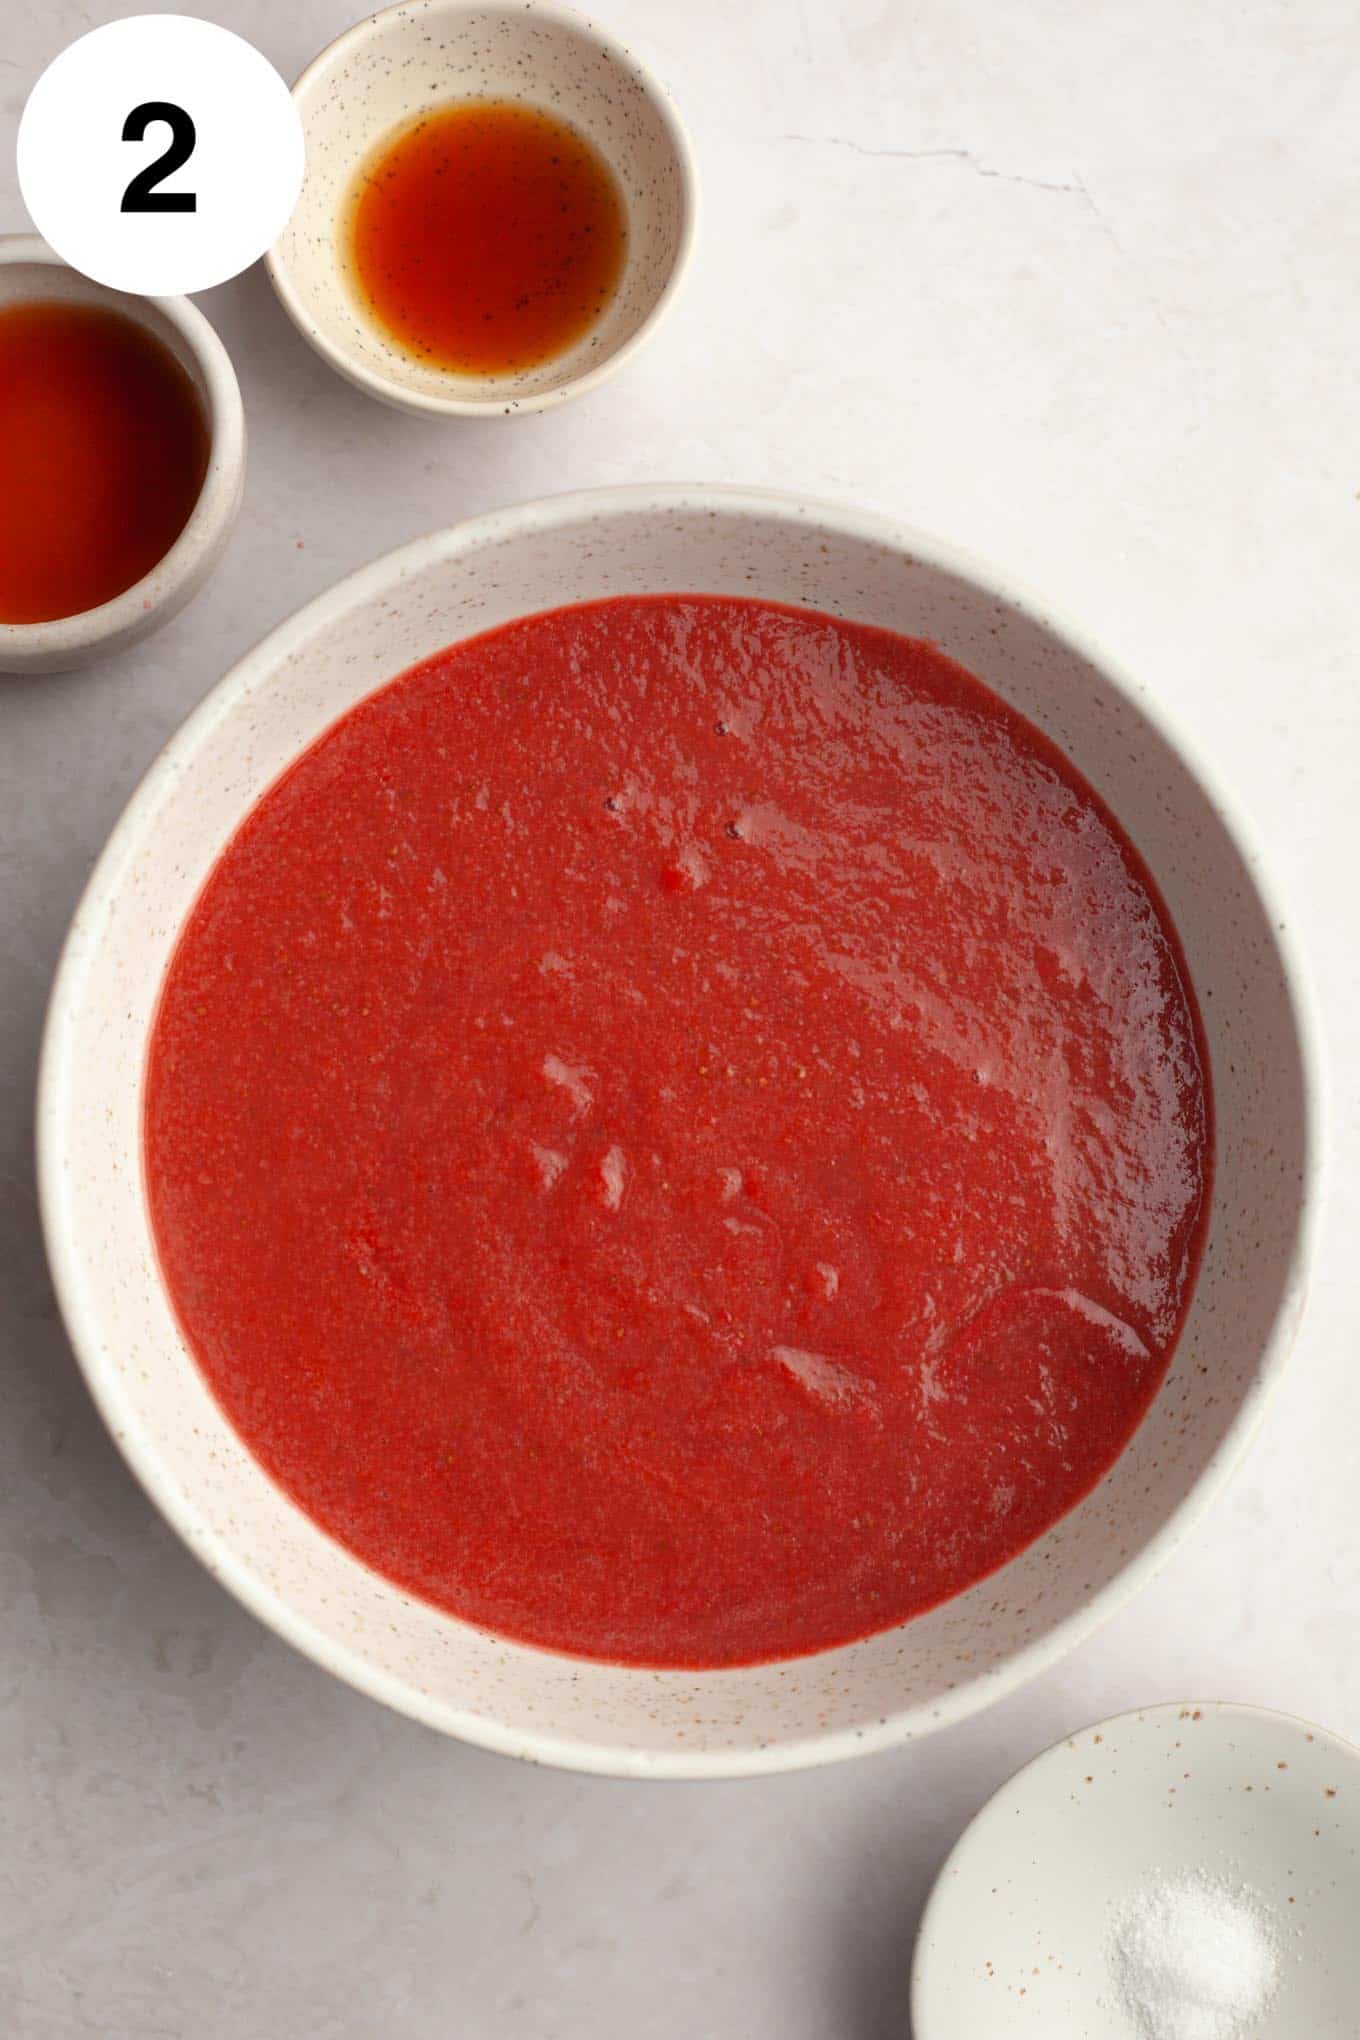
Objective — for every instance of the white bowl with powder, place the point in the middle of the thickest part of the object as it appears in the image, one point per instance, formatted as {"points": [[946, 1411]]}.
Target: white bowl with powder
{"points": [[1184, 1873]]}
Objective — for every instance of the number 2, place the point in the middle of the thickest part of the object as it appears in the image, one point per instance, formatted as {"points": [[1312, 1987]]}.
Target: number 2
{"points": [[141, 194]]}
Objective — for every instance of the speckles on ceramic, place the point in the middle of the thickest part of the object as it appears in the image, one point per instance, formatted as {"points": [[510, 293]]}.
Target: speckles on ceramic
{"points": [[1015, 1939], [30, 269], [890, 1687], [409, 58]]}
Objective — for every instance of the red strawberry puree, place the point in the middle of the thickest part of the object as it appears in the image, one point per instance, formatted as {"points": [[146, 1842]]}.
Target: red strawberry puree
{"points": [[679, 1131]]}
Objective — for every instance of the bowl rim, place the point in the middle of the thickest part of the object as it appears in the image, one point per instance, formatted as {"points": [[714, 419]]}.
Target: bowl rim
{"points": [[1231, 1710], [271, 654], [215, 505], [431, 403]]}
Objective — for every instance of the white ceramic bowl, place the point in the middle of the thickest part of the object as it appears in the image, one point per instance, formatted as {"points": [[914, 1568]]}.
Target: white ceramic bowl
{"points": [[1014, 1941], [29, 269], [425, 53], [530, 1703]]}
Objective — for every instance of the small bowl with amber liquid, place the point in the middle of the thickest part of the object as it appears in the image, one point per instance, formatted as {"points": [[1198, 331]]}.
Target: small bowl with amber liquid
{"points": [[122, 460], [498, 208]]}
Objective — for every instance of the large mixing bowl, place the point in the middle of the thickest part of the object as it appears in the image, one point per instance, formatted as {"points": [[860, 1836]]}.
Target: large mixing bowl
{"points": [[528, 1702]]}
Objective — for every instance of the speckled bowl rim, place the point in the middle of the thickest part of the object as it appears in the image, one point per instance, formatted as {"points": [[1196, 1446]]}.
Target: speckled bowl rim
{"points": [[926, 1938], [218, 498], [383, 578], [438, 405]]}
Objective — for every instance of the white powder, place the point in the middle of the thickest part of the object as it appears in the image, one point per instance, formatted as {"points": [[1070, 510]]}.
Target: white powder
{"points": [[1194, 1958]]}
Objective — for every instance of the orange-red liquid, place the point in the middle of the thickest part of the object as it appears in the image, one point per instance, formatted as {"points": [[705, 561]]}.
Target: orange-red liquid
{"points": [[486, 237], [103, 449]]}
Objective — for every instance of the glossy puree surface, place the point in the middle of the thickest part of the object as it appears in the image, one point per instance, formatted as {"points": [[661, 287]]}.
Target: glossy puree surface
{"points": [[679, 1132]]}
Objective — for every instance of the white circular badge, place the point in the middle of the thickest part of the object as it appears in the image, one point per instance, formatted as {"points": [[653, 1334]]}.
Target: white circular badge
{"points": [[160, 154]]}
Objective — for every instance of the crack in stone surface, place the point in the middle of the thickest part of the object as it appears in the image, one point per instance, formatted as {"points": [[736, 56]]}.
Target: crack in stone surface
{"points": [[968, 156]]}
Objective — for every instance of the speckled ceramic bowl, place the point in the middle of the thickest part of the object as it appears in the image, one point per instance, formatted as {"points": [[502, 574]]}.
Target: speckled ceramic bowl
{"points": [[29, 269], [528, 1702], [412, 57], [1016, 1941]]}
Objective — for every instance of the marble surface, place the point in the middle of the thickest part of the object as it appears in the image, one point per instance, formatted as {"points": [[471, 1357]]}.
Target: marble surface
{"points": [[1076, 287]]}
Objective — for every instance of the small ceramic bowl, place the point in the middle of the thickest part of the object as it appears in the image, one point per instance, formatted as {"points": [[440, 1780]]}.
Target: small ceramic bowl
{"points": [[413, 57], [903, 1682], [30, 270], [1195, 1799]]}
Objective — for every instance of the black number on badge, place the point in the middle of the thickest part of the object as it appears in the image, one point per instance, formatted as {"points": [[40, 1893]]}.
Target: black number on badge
{"points": [[141, 194]]}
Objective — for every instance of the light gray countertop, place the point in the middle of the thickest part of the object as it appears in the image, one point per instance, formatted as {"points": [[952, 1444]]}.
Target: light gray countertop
{"points": [[1076, 287]]}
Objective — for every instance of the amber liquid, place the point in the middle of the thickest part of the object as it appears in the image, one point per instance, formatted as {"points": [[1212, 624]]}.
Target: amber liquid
{"points": [[486, 237], [103, 450]]}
